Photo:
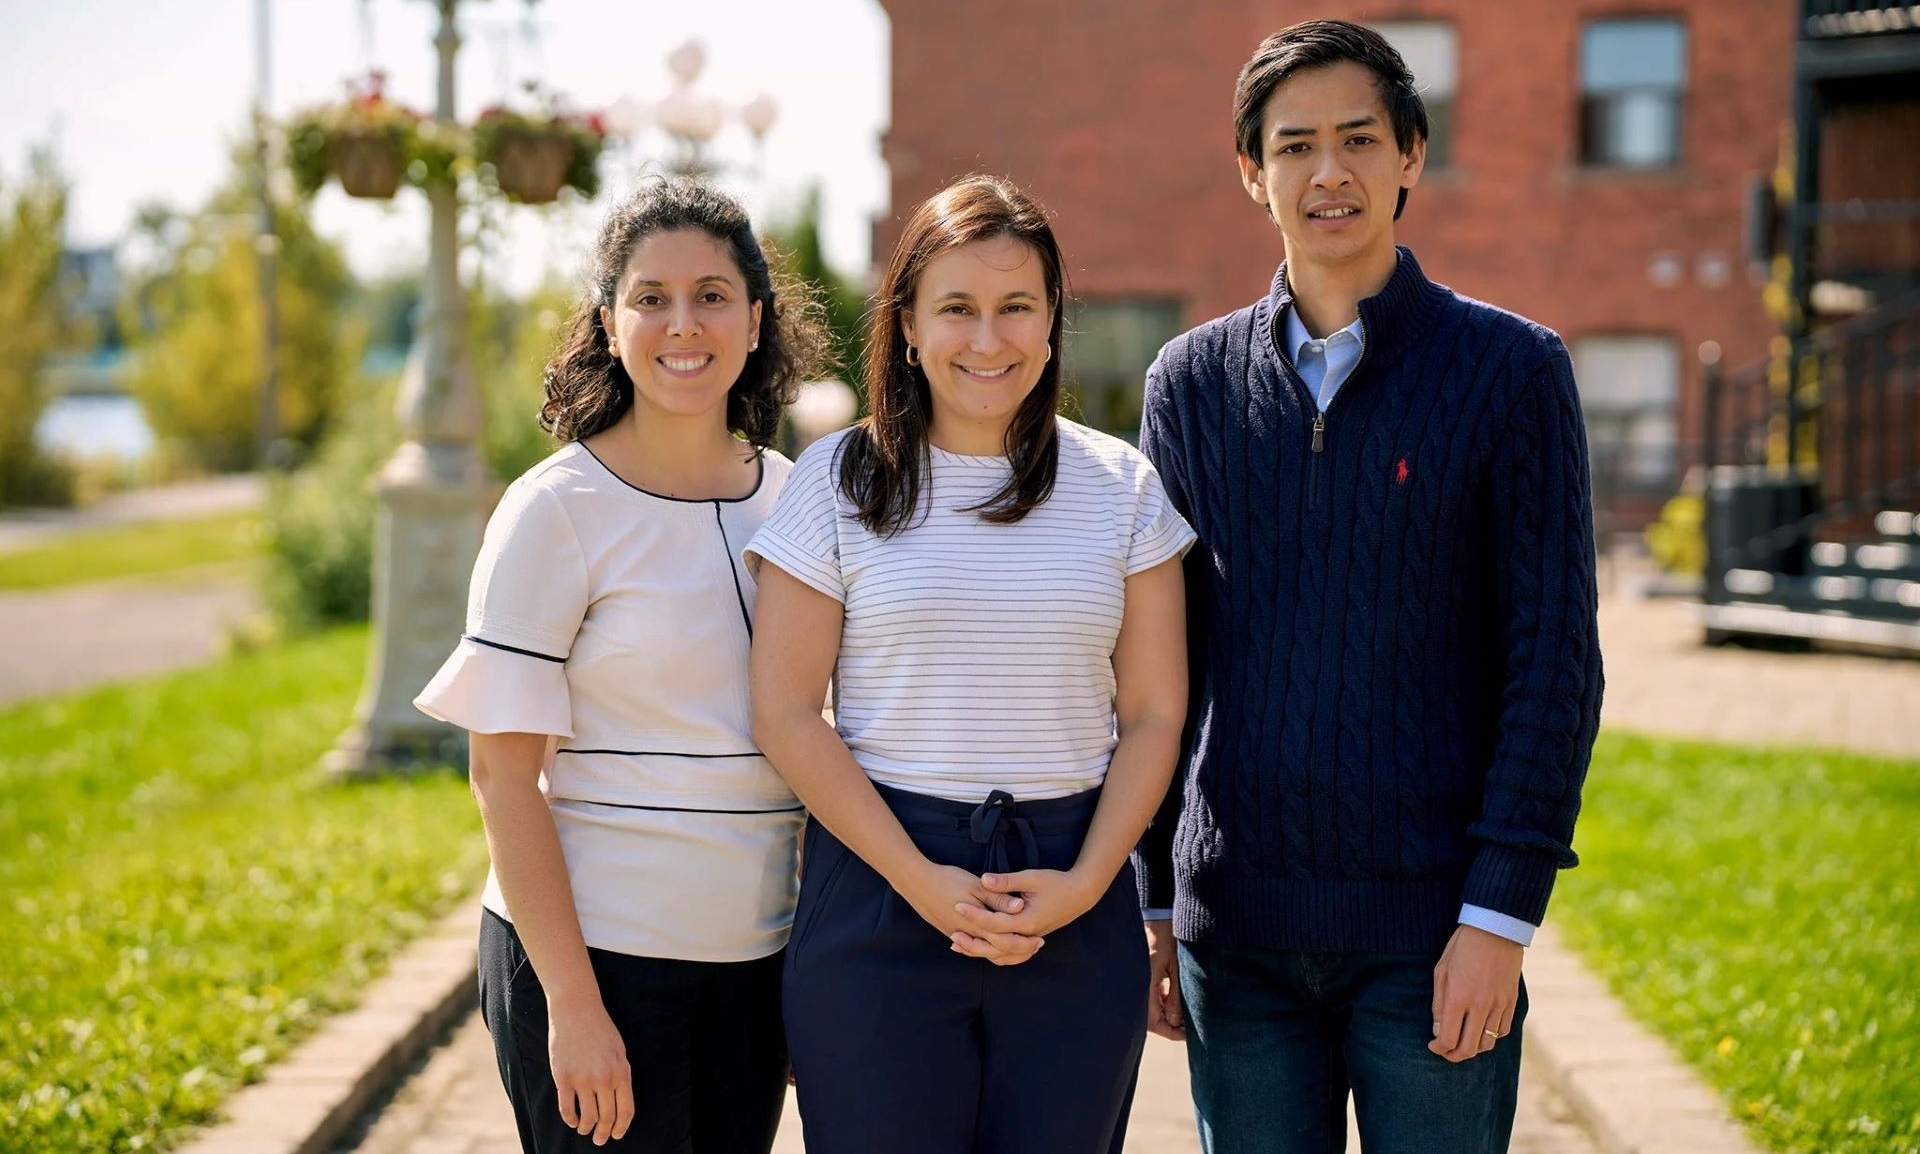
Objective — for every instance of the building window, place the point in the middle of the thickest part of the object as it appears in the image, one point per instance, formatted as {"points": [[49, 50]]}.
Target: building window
{"points": [[1629, 389], [1110, 343], [1633, 78], [1432, 52]]}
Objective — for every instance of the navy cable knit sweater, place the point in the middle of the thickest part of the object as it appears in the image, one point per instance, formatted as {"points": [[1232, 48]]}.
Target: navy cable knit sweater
{"points": [[1396, 666]]}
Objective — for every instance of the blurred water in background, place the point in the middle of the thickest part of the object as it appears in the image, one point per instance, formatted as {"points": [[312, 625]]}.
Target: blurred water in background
{"points": [[107, 425]]}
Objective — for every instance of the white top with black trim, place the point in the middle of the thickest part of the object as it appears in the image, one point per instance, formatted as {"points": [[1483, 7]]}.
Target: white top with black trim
{"points": [[618, 621], [977, 656]]}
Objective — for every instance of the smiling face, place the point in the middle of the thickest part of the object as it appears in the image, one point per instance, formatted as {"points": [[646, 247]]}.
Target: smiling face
{"points": [[683, 323], [980, 319], [1331, 173]]}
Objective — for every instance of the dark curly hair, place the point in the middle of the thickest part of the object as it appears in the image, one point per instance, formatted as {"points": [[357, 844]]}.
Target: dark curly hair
{"points": [[589, 390], [885, 458]]}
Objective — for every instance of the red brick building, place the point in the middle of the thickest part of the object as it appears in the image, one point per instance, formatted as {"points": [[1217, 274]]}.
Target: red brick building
{"points": [[1592, 167]]}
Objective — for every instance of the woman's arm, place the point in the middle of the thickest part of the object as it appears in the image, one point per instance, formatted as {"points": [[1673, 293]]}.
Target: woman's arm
{"points": [[796, 641], [586, 1052], [1150, 705]]}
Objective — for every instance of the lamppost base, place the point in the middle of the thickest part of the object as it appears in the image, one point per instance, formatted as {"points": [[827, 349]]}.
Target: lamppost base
{"points": [[433, 502]]}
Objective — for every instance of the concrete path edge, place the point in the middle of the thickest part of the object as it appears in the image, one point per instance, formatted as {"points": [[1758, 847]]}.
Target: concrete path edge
{"points": [[1625, 1086], [311, 1098]]}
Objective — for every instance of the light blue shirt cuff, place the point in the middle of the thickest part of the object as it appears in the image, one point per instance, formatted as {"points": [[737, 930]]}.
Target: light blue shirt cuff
{"points": [[1494, 922], [1156, 915]]}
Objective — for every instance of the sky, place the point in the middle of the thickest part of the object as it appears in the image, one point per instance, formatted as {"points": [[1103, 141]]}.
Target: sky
{"points": [[143, 98]]}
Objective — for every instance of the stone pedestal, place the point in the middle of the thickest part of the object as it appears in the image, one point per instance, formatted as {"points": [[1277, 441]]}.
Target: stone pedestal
{"points": [[433, 505]]}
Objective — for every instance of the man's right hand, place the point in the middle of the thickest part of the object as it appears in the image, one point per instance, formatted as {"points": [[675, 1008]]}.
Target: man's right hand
{"points": [[1164, 1014]]}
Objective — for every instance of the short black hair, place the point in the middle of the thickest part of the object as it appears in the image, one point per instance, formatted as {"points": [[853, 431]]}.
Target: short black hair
{"points": [[1319, 44]]}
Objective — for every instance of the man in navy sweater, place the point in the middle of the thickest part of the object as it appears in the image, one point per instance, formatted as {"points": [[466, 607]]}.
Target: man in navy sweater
{"points": [[1396, 672]]}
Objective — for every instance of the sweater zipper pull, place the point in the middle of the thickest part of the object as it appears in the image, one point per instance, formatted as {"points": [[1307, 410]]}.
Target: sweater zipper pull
{"points": [[1319, 432]]}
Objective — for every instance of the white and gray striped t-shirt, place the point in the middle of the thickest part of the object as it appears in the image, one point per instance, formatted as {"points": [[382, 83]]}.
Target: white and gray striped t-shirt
{"points": [[976, 656]]}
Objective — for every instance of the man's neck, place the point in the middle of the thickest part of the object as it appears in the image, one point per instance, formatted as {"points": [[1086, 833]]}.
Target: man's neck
{"points": [[1327, 297]]}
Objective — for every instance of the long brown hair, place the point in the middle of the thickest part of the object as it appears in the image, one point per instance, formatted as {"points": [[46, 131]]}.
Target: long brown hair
{"points": [[587, 388], [884, 461]]}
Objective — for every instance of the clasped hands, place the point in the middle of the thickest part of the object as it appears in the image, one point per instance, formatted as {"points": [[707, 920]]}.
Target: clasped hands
{"points": [[1003, 918]]}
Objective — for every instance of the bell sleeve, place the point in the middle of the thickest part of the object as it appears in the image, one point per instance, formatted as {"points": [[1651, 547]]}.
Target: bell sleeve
{"points": [[524, 608]]}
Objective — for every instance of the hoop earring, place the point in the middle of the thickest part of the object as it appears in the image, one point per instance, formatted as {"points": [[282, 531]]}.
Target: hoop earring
{"points": [[913, 356]]}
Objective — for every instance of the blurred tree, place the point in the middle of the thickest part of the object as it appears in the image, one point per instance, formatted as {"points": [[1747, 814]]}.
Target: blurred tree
{"points": [[797, 240], [33, 214], [195, 323]]}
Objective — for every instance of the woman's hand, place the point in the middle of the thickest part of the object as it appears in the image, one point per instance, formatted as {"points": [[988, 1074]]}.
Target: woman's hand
{"points": [[938, 894], [1050, 899], [590, 1070]]}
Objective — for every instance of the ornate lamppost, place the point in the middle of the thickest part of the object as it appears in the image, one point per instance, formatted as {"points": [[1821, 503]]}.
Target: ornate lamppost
{"points": [[433, 495], [690, 119]]}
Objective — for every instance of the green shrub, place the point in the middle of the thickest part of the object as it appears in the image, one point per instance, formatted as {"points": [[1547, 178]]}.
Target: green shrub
{"points": [[320, 521], [1678, 540], [510, 342]]}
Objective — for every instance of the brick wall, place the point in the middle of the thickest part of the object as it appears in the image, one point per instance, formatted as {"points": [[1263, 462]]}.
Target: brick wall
{"points": [[1117, 114]]}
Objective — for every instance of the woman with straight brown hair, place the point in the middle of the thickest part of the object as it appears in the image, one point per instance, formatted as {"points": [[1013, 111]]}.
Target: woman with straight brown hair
{"points": [[995, 592]]}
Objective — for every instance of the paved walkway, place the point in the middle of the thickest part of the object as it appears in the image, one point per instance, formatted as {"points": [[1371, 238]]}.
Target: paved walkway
{"points": [[22, 527], [75, 637], [454, 1106], [1660, 679], [63, 640]]}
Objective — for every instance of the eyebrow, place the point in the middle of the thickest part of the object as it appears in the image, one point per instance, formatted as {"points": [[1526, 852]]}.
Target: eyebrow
{"points": [[712, 276], [957, 295], [1367, 121]]}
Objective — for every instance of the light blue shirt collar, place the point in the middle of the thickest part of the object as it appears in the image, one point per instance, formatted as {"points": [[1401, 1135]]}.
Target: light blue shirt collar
{"points": [[1326, 364]]}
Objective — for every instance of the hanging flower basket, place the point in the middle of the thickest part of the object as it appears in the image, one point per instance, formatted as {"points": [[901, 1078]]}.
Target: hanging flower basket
{"points": [[530, 166], [367, 164], [530, 158], [366, 142]]}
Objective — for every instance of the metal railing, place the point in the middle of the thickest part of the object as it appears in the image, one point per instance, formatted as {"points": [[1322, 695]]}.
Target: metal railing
{"points": [[1841, 409]]}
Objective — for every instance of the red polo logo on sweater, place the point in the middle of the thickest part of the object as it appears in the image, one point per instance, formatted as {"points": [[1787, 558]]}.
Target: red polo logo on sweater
{"points": [[1400, 472]]}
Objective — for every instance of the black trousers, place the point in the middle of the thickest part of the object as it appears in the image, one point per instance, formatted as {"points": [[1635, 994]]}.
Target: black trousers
{"points": [[703, 1039], [901, 1046]]}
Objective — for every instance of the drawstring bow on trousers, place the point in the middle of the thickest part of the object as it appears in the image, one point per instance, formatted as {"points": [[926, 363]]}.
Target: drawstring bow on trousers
{"points": [[987, 825]]}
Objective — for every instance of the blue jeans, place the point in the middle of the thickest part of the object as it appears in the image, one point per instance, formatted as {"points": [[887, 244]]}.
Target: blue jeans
{"points": [[1276, 1039]]}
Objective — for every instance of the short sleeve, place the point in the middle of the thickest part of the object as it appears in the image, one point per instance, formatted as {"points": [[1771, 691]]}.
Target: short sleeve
{"points": [[802, 534], [1159, 532], [524, 608]]}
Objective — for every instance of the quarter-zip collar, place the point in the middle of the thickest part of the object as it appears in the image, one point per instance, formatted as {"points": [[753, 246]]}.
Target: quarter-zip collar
{"points": [[1394, 318]]}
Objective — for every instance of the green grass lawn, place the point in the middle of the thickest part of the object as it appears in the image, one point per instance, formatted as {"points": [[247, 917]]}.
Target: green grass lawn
{"points": [[1761, 910], [136, 550], [184, 897]]}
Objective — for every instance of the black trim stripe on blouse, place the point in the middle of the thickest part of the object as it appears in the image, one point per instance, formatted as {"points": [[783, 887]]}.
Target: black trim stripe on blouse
{"points": [[733, 571], [512, 649], [659, 753], [679, 808]]}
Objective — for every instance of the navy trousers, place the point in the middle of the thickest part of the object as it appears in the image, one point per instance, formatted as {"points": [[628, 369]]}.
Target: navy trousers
{"points": [[901, 1046], [1277, 1038]]}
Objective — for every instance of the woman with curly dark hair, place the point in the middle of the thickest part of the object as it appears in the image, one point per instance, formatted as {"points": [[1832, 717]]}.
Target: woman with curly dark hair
{"points": [[643, 850]]}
